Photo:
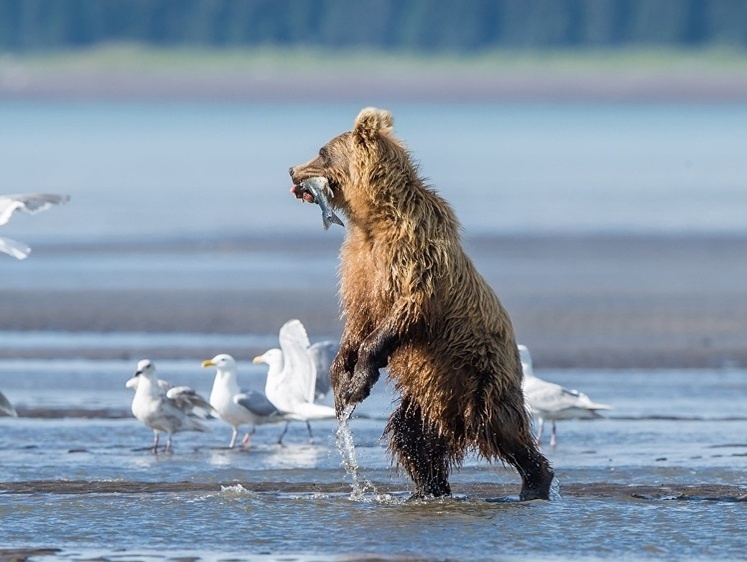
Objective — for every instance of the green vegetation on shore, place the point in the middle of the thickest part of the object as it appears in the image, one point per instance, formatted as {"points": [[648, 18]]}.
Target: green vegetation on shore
{"points": [[139, 58]]}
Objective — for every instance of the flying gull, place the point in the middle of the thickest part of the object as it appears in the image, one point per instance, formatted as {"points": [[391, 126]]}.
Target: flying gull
{"points": [[30, 203]]}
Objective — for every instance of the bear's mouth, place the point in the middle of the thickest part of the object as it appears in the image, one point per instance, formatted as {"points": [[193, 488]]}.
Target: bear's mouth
{"points": [[302, 192]]}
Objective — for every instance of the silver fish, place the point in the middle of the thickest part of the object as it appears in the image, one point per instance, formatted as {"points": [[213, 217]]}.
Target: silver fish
{"points": [[320, 190]]}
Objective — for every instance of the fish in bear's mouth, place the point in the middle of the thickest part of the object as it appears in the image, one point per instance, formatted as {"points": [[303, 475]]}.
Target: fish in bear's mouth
{"points": [[302, 193], [317, 190]]}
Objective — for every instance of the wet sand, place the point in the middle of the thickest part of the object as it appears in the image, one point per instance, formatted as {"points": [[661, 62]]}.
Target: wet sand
{"points": [[489, 491], [590, 302]]}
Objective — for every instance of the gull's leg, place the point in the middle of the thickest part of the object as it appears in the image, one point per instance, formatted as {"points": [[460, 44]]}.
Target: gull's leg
{"points": [[540, 430], [285, 430], [248, 436], [311, 435], [168, 444], [155, 442], [553, 436], [233, 437]]}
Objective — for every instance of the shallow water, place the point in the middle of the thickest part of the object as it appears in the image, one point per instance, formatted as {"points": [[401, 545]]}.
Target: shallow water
{"points": [[661, 477]]}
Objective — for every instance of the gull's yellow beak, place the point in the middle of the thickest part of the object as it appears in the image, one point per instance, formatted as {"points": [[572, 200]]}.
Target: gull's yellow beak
{"points": [[208, 363], [258, 359]]}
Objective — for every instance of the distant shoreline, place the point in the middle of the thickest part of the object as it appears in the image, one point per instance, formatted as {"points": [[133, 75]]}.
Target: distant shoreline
{"points": [[126, 72]]}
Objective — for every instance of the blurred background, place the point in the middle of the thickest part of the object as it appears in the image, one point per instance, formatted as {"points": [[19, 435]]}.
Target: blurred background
{"points": [[593, 151]]}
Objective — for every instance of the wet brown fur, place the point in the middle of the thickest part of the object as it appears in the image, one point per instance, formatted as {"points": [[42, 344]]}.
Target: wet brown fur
{"points": [[414, 302]]}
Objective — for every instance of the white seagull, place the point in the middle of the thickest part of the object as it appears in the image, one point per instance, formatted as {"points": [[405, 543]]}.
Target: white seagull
{"points": [[550, 401], [235, 406], [6, 407], [31, 203], [173, 410], [291, 378]]}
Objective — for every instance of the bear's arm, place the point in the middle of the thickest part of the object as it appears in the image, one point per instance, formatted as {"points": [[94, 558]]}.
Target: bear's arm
{"points": [[353, 385], [373, 354]]}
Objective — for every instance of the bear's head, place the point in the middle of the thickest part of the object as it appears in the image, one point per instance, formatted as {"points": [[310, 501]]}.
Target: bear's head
{"points": [[360, 165]]}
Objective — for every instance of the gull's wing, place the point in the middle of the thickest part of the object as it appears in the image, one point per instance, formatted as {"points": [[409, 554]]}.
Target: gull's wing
{"points": [[165, 386], [322, 354], [311, 411], [14, 248], [31, 203], [298, 369], [186, 399], [257, 403], [172, 417], [6, 407]]}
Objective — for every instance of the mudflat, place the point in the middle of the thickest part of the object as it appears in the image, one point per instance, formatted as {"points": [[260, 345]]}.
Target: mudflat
{"points": [[576, 301]]}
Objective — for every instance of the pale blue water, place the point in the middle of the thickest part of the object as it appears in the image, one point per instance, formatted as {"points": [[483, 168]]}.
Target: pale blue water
{"points": [[179, 170]]}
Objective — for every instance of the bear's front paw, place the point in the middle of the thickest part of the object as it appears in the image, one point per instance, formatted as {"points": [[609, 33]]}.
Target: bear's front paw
{"points": [[340, 391], [359, 386]]}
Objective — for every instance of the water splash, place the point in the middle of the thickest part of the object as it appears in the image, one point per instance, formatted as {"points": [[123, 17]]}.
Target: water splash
{"points": [[346, 446], [234, 490], [555, 490]]}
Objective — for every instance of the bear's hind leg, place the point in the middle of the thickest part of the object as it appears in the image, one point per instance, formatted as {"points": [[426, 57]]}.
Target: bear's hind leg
{"points": [[420, 450], [519, 448], [535, 472]]}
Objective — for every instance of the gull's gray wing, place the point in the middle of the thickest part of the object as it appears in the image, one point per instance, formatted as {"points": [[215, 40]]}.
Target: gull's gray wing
{"points": [[6, 407], [257, 403], [322, 355], [31, 203], [189, 401], [172, 417]]}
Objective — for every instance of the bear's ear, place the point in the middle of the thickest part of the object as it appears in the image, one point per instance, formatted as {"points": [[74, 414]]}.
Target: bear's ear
{"points": [[370, 122]]}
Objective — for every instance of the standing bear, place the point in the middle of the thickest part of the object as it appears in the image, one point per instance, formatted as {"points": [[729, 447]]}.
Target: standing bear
{"points": [[413, 301]]}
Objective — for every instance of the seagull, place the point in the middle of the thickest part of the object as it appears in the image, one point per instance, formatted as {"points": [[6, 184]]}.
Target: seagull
{"points": [[291, 378], [235, 406], [6, 407], [550, 401], [172, 410], [30, 203]]}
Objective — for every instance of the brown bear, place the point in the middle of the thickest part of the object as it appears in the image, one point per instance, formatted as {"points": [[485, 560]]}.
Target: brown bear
{"points": [[413, 301]]}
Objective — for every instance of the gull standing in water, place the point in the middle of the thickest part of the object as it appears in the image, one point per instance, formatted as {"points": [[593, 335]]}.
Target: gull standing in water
{"points": [[291, 378], [177, 409], [235, 406], [550, 401], [30, 203]]}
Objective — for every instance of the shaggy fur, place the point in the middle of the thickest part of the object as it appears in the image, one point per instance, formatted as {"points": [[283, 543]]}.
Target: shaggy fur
{"points": [[414, 302]]}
